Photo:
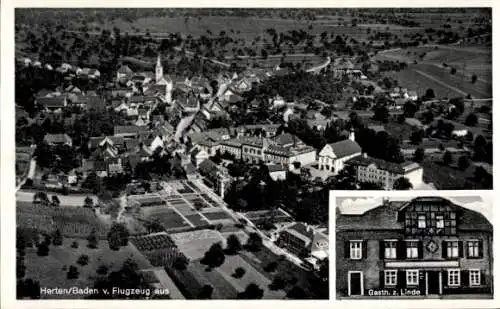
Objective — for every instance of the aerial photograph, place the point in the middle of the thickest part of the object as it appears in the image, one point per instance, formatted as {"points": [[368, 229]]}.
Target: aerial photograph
{"points": [[189, 153], [414, 247]]}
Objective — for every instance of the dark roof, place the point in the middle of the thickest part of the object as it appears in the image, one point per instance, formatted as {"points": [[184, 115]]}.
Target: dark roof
{"points": [[52, 102], [128, 129], [190, 169], [396, 168], [385, 217], [345, 148], [208, 168]]}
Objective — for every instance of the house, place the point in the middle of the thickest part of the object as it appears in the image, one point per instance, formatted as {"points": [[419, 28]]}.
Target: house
{"points": [[58, 139], [386, 173], [52, 103], [334, 156], [128, 131], [197, 156], [304, 241], [277, 172], [377, 128], [428, 245], [124, 72]]}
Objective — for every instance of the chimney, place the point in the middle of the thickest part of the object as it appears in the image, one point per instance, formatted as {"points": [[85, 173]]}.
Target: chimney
{"points": [[365, 155]]}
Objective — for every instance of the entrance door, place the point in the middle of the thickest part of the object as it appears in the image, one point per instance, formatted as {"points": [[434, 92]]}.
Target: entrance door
{"points": [[433, 281], [355, 283]]}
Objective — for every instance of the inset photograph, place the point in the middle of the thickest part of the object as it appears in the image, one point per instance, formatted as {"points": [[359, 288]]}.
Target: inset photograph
{"points": [[437, 247]]}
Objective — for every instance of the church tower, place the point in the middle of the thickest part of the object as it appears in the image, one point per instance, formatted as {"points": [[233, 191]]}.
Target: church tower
{"points": [[159, 70], [352, 136]]}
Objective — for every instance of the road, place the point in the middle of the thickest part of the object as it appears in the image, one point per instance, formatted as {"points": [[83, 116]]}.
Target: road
{"points": [[250, 227], [320, 67]]}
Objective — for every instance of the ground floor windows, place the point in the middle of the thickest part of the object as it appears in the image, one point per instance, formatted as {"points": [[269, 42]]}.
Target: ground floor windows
{"points": [[474, 277], [412, 277], [390, 277], [454, 277]]}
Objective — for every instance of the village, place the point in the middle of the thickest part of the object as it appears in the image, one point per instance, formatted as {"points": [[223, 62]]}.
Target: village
{"points": [[217, 183]]}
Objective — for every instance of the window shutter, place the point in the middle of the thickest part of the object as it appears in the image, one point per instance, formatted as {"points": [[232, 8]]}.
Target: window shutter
{"points": [[443, 247], [347, 250], [382, 279], [480, 250], [445, 278], [364, 249], [382, 250], [420, 250], [483, 277], [460, 249], [401, 250], [464, 278]]}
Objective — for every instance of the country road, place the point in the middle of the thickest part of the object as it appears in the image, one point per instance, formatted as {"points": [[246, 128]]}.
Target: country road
{"points": [[321, 66]]}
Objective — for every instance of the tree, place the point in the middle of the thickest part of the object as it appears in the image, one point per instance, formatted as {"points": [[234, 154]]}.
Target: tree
{"points": [[429, 94], [92, 239], [55, 201], [252, 291], [471, 120], [72, 272], [278, 283], [214, 257], [28, 288], [410, 109], [473, 78], [43, 249], [381, 114], [453, 71], [233, 244], [324, 269], [83, 260], [296, 293], [74, 245], [88, 202], [239, 272], [117, 236], [447, 158], [271, 266], [418, 155], [416, 137], [20, 268], [206, 292], [463, 162], [57, 239], [180, 262], [254, 242], [402, 183], [102, 270]]}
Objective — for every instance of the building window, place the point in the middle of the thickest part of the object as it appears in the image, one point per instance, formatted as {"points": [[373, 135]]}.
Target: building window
{"points": [[412, 277], [390, 249], [440, 222], [421, 222], [356, 249], [452, 249], [453, 277], [474, 277], [390, 277], [473, 248], [412, 249]]}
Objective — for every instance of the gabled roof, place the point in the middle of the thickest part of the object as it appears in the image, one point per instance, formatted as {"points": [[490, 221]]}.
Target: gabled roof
{"points": [[54, 102], [124, 69], [57, 138], [345, 148]]}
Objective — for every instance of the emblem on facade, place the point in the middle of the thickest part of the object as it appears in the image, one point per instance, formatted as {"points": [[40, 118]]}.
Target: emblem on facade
{"points": [[432, 246]]}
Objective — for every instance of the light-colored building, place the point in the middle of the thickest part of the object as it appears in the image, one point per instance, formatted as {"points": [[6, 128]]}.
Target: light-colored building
{"points": [[386, 173], [334, 156]]}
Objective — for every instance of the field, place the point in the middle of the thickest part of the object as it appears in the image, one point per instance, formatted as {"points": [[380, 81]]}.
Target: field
{"points": [[449, 178], [48, 270], [71, 221], [168, 218], [430, 73]]}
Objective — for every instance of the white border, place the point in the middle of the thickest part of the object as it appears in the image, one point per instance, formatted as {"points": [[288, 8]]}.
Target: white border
{"points": [[7, 155], [487, 196]]}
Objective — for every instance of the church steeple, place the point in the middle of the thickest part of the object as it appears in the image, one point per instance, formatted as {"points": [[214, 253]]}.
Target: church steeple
{"points": [[158, 70]]}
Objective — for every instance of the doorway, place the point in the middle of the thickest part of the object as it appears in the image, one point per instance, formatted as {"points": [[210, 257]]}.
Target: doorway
{"points": [[433, 282], [355, 279]]}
